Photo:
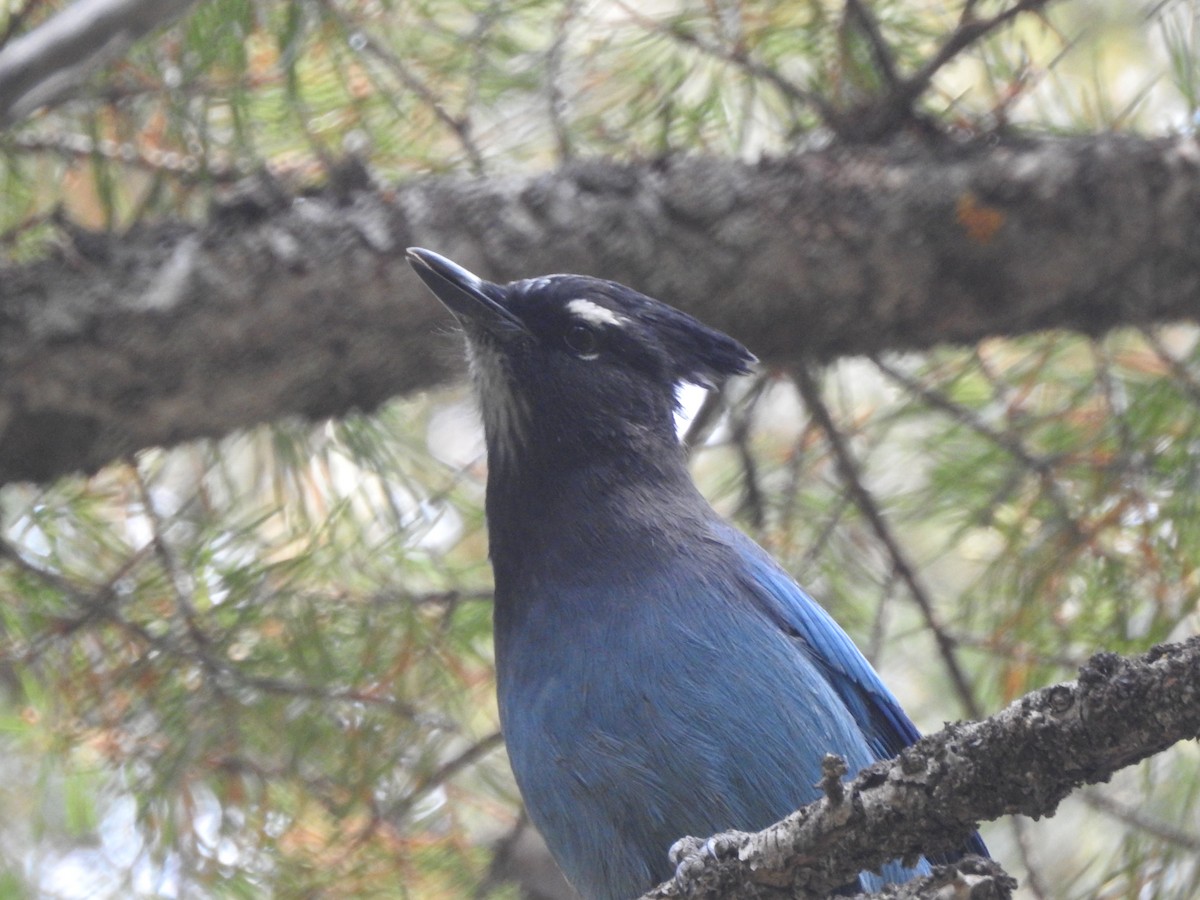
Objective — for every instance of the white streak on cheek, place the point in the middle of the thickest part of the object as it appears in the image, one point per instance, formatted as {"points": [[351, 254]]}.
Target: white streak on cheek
{"points": [[688, 398], [594, 313]]}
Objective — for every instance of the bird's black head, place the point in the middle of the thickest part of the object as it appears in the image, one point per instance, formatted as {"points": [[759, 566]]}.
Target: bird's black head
{"points": [[571, 369]]}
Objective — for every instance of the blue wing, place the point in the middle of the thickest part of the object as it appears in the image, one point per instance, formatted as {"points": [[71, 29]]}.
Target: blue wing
{"points": [[887, 729], [884, 724]]}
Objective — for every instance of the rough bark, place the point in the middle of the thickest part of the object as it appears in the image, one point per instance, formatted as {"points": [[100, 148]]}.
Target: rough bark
{"points": [[304, 305], [43, 66], [1025, 759]]}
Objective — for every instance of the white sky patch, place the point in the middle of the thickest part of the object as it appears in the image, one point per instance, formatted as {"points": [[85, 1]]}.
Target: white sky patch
{"points": [[594, 313]]}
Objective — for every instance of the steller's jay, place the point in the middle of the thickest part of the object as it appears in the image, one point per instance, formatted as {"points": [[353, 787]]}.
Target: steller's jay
{"points": [[659, 675]]}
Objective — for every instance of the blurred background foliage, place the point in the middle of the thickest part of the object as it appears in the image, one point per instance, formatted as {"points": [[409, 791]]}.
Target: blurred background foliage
{"points": [[261, 666]]}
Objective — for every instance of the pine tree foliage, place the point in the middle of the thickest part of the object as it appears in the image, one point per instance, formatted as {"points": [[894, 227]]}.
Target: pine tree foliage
{"points": [[261, 665]]}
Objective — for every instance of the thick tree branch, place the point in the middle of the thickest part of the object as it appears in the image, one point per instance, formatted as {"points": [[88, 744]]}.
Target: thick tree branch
{"points": [[304, 305], [39, 68], [1025, 759]]}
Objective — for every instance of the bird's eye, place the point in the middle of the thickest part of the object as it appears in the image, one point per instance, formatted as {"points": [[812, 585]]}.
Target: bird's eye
{"points": [[582, 341]]}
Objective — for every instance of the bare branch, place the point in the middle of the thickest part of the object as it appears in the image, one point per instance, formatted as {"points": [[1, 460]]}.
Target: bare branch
{"points": [[969, 31], [1138, 819], [40, 68], [881, 53], [1008, 441], [1025, 759], [459, 125], [739, 58], [905, 570], [447, 770], [183, 167]]}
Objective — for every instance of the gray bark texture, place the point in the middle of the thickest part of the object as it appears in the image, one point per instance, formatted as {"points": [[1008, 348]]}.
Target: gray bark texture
{"points": [[1025, 759], [43, 66], [287, 304]]}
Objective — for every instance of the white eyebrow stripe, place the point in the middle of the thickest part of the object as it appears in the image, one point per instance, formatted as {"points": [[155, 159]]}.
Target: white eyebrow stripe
{"points": [[594, 313]]}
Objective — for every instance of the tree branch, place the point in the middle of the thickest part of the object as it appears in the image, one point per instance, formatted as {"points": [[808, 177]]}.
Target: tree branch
{"points": [[284, 304], [1025, 759], [41, 67]]}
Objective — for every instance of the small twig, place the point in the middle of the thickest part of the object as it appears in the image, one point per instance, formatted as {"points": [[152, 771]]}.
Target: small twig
{"points": [[753, 502], [324, 693], [990, 645], [446, 598], [183, 166], [882, 115], [451, 767], [1118, 404], [833, 770], [166, 558], [1097, 799], [877, 636], [904, 569], [825, 535], [503, 852], [478, 69], [739, 58], [1033, 881], [968, 32], [52, 580], [1040, 466], [174, 648], [553, 80], [1181, 373], [94, 606], [881, 53], [13, 234], [460, 125]]}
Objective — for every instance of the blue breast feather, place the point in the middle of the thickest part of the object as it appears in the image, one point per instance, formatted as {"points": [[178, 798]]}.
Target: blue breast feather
{"points": [[681, 698]]}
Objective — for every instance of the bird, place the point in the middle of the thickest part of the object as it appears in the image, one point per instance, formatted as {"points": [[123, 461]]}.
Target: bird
{"points": [[659, 675]]}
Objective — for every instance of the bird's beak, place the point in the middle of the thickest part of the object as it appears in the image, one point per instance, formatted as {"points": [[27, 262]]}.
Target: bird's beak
{"points": [[465, 294]]}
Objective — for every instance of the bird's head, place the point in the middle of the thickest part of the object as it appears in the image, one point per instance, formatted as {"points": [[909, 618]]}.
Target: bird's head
{"points": [[571, 368]]}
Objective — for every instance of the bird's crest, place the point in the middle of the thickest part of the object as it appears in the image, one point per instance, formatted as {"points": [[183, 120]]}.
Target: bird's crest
{"points": [[642, 329]]}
